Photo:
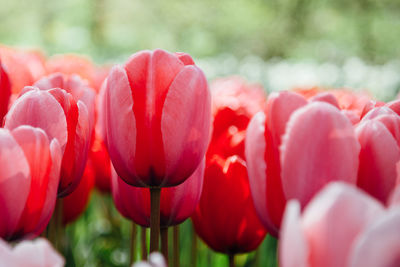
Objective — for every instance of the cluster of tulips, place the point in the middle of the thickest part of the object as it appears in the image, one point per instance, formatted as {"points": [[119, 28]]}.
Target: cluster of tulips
{"points": [[315, 168]]}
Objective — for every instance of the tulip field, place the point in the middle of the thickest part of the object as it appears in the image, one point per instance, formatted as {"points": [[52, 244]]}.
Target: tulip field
{"points": [[154, 162]]}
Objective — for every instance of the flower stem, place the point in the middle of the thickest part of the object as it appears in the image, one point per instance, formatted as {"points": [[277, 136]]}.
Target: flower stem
{"points": [[231, 260], [155, 194]]}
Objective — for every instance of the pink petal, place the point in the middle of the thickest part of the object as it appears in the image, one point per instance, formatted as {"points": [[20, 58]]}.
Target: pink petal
{"points": [[319, 146], [121, 125], [185, 124], [327, 98], [37, 253], [293, 247], [378, 157], [15, 181], [395, 195], [256, 169], [52, 188], [36, 147], [375, 112], [39, 109], [333, 220], [392, 123], [394, 105], [378, 245]]}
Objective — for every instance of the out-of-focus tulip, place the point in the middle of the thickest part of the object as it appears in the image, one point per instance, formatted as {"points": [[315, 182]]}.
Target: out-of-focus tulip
{"points": [[98, 157], [5, 92], [379, 136], [294, 149], [341, 226], [158, 115], [30, 169], [234, 102], [156, 259], [77, 64], [37, 253], [75, 203], [177, 203], [225, 217], [24, 66], [61, 117]]}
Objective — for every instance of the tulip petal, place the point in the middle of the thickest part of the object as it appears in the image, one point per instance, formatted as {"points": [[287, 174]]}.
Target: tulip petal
{"points": [[36, 147], [379, 154], [121, 125], [256, 168], [379, 244], [15, 181], [185, 134], [52, 188], [293, 247], [327, 98], [39, 109], [319, 146], [150, 76], [333, 220]]}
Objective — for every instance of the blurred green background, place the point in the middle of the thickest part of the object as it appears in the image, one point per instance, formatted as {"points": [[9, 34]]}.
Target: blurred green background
{"points": [[279, 43], [107, 29]]}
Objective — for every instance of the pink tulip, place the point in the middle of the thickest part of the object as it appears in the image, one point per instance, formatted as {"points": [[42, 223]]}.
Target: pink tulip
{"points": [[61, 117], [157, 118], [30, 166], [379, 136], [37, 253], [341, 226], [5, 92], [294, 149], [177, 203]]}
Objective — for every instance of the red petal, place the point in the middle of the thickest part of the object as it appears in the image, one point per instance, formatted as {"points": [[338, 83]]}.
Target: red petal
{"points": [[185, 124]]}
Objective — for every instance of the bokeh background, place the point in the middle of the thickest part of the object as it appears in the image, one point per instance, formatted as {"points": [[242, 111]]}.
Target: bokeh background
{"points": [[278, 43]]}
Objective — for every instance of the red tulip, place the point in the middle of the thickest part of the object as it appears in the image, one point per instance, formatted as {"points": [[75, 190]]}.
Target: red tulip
{"points": [[157, 118], [341, 226], [225, 217], [30, 166], [379, 136], [234, 104], [61, 117], [177, 203], [5, 92], [293, 150], [102, 172], [37, 253], [24, 66], [75, 203]]}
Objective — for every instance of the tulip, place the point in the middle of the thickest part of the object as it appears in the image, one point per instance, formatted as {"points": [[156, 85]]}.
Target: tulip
{"points": [[5, 92], [155, 260], [379, 136], [37, 253], [341, 226], [294, 149], [234, 103], [177, 203], [24, 66], [74, 85], [61, 117], [70, 64], [226, 218], [75, 203], [30, 165], [157, 116]]}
